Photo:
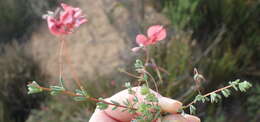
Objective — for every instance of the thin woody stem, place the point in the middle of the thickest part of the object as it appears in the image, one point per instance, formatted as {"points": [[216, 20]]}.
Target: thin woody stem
{"points": [[129, 74], [163, 70], [60, 59], [73, 72], [157, 71], [156, 67], [146, 55], [208, 94], [155, 84], [69, 93]]}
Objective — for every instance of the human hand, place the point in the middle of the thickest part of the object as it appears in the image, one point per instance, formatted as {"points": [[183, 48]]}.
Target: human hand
{"points": [[167, 105]]}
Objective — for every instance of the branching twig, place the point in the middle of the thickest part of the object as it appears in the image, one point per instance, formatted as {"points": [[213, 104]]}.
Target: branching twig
{"points": [[156, 67], [128, 73], [69, 93], [155, 84], [218, 90]]}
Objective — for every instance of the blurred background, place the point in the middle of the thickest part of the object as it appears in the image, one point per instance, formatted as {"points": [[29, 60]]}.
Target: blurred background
{"points": [[219, 37]]}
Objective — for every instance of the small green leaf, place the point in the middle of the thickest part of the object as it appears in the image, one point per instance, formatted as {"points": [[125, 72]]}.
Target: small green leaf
{"points": [[135, 99], [145, 77], [54, 93], [236, 81], [79, 98], [126, 102], [128, 85], [114, 102], [218, 97], [212, 97], [201, 98], [114, 108], [34, 88], [55, 90], [225, 92], [244, 86], [138, 64], [151, 98], [102, 106], [62, 83], [233, 85], [144, 108], [81, 92], [145, 90], [192, 109]]}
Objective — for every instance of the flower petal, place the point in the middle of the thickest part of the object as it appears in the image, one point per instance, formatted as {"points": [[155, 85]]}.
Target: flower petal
{"points": [[52, 26], [69, 19], [78, 12], [141, 40], [157, 31], [66, 7], [136, 49]]}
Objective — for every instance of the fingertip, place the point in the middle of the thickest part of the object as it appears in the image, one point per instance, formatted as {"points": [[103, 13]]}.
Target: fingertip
{"points": [[191, 118], [180, 118], [169, 105], [99, 116], [173, 118]]}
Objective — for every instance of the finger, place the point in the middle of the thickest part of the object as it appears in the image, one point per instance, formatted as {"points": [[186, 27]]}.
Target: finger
{"points": [[118, 114], [180, 118], [100, 116], [121, 97], [169, 105]]}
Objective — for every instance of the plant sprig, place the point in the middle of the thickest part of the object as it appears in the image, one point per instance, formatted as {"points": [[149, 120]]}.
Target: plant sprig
{"points": [[215, 96], [78, 96]]}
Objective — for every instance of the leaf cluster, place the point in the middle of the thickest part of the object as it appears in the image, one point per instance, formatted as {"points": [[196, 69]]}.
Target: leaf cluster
{"points": [[34, 88], [215, 96]]}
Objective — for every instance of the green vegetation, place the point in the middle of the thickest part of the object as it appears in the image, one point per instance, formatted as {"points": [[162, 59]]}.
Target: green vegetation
{"points": [[221, 38], [17, 69], [19, 17]]}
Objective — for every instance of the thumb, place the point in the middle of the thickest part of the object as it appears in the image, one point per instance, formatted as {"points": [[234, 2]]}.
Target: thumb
{"points": [[180, 118], [169, 105]]}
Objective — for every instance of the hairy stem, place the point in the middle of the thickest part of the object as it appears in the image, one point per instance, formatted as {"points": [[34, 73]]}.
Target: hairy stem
{"points": [[146, 55], [208, 94], [129, 74], [73, 72], [155, 84], [60, 59], [69, 93]]}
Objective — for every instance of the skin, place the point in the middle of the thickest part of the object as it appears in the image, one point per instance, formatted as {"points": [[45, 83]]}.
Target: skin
{"points": [[167, 105]]}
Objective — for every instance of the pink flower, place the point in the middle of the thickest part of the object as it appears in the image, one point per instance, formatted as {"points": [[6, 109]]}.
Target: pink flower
{"points": [[69, 19], [155, 33]]}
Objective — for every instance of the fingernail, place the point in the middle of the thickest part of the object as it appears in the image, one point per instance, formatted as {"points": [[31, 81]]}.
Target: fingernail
{"points": [[191, 118], [169, 105]]}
